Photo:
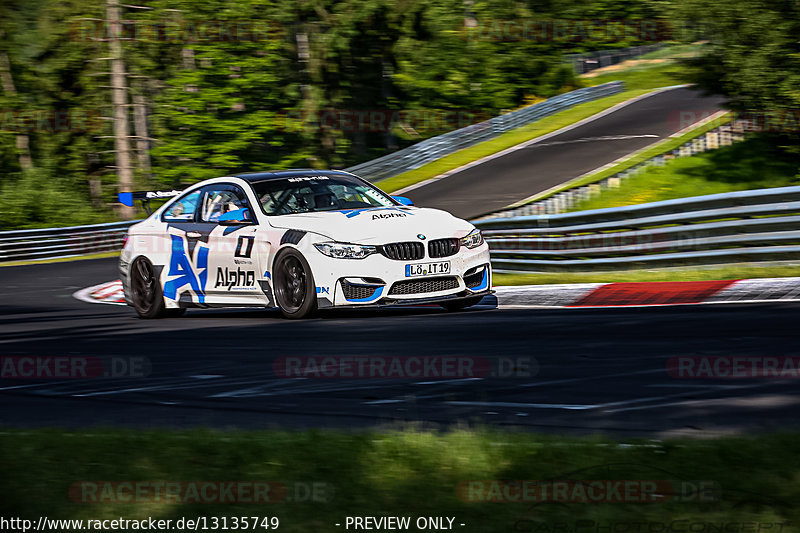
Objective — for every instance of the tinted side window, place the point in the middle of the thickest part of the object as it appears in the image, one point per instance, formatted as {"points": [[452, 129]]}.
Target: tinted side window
{"points": [[183, 210], [221, 199]]}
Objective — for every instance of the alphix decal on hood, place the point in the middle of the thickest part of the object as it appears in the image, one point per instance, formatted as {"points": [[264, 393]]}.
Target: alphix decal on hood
{"points": [[378, 225]]}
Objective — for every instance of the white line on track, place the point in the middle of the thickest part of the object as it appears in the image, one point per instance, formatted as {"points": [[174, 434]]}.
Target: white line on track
{"points": [[595, 139], [21, 386], [526, 385], [570, 407], [693, 402], [525, 144], [624, 405], [441, 381], [590, 378], [692, 386]]}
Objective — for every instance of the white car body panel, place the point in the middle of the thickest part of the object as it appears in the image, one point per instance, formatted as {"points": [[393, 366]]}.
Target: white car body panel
{"points": [[212, 265]]}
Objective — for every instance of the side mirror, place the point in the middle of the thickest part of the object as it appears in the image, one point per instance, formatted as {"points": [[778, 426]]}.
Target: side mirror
{"points": [[403, 200], [238, 217]]}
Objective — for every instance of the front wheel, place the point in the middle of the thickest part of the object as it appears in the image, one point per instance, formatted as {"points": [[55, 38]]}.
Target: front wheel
{"points": [[295, 291], [146, 294], [458, 305]]}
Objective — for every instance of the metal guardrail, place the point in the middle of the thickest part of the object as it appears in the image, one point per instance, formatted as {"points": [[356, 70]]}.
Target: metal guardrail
{"points": [[57, 243], [713, 229], [757, 225], [569, 198], [436, 147]]}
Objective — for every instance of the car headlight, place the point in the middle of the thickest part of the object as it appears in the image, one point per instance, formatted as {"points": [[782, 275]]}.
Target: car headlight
{"points": [[345, 251], [473, 240]]}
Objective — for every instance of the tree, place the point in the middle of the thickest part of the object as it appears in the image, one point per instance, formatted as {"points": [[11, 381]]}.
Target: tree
{"points": [[754, 52]]}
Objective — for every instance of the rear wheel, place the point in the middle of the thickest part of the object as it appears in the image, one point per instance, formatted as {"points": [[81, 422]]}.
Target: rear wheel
{"points": [[295, 291], [146, 294], [458, 305]]}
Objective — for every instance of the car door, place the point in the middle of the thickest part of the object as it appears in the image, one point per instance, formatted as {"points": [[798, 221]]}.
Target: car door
{"points": [[233, 265], [185, 256]]}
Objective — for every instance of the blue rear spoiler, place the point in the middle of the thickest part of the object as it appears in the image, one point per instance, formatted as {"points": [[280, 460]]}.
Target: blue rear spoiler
{"points": [[127, 198]]}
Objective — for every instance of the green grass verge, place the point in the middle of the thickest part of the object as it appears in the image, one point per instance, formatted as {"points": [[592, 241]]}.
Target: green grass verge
{"points": [[61, 260], [648, 76], [755, 163], [637, 83], [413, 473], [674, 51], [732, 271]]}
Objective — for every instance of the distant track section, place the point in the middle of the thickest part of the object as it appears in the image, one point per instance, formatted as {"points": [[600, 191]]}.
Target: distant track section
{"points": [[537, 166]]}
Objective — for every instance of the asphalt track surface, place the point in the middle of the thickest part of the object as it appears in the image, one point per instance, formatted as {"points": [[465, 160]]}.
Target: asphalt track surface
{"points": [[589, 370], [538, 167]]}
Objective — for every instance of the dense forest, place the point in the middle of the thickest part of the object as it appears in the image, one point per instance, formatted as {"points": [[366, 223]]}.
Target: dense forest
{"points": [[218, 86]]}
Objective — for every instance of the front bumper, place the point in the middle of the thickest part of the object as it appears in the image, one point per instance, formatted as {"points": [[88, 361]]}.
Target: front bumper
{"points": [[391, 302], [377, 280]]}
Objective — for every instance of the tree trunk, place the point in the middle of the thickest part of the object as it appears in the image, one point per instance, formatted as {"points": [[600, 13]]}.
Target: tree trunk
{"points": [[23, 141], [142, 136], [120, 101]]}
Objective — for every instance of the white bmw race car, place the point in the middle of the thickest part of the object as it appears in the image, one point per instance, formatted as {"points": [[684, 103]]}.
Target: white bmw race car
{"points": [[300, 240]]}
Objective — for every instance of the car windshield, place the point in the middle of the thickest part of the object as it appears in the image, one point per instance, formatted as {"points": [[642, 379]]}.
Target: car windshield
{"points": [[308, 194]]}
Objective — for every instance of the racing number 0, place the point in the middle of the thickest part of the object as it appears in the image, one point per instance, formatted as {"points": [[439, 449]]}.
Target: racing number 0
{"points": [[244, 247]]}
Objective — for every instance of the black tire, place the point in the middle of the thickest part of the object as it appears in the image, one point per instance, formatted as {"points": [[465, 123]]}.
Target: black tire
{"points": [[146, 293], [295, 291], [458, 305]]}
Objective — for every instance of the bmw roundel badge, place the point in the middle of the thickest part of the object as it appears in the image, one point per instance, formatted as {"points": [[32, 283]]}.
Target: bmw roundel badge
{"points": [[421, 237]]}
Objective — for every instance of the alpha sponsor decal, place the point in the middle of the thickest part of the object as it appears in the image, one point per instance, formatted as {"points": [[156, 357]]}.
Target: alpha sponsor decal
{"points": [[323, 290], [235, 279], [181, 268], [377, 216], [384, 212]]}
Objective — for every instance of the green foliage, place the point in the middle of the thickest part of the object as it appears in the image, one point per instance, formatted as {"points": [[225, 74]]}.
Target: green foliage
{"points": [[754, 51], [755, 163], [228, 104], [744, 482], [36, 200]]}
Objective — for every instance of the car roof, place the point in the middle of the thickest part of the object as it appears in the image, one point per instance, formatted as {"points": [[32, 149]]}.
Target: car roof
{"points": [[254, 177]]}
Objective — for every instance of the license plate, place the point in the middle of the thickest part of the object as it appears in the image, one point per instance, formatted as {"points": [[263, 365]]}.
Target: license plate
{"points": [[428, 269]]}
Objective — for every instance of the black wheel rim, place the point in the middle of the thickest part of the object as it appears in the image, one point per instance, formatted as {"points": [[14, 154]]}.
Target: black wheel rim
{"points": [[143, 286], [291, 284]]}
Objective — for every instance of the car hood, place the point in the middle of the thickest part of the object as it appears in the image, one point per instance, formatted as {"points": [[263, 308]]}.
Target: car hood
{"points": [[378, 225]]}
